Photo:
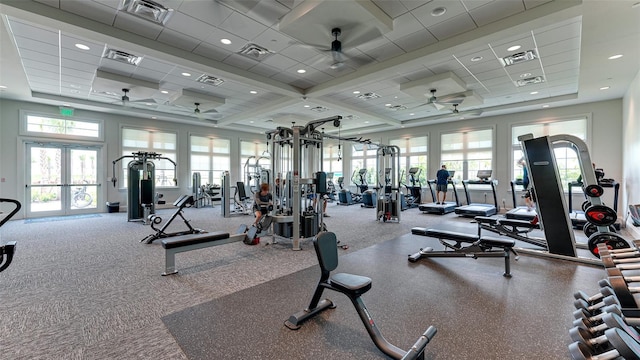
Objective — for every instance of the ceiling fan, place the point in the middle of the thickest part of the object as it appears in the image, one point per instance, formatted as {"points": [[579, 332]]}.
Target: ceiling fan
{"points": [[441, 102], [200, 114], [125, 100], [338, 58]]}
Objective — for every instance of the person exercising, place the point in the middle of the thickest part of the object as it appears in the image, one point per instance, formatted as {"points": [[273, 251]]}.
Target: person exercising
{"points": [[529, 195], [442, 178], [262, 200]]}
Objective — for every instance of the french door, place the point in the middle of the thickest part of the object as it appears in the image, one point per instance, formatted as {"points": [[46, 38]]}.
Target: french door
{"points": [[62, 179]]}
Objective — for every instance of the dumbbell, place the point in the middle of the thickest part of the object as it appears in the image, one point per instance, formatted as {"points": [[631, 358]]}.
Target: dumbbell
{"points": [[622, 264], [591, 335], [583, 317], [629, 276], [623, 292], [624, 346], [595, 308], [604, 250], [604, 291]]}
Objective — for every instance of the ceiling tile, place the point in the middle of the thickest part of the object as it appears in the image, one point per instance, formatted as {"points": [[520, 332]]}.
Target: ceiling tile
{"points": [[178, 40], [211, 12], [211, 52], [392, 8], [402, 26], [136, 25], [416, 40], [241, 61], [89, 9], [189, 26], [496, 10], [458, 25], [424, 12], [242, 26]]}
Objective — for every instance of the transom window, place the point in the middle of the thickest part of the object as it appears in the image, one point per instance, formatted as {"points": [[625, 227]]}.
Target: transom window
{"points": [[61, 127]]}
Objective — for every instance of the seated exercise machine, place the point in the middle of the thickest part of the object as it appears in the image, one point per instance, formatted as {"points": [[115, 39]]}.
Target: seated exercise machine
{"points": [[476, 246], [519, 212], [479, 209], [7, 250], [353, 286], [182, 202], [440, 209]]}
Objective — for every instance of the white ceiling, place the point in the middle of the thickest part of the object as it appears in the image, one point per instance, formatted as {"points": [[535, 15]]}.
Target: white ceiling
{"points": [[393, 48]]}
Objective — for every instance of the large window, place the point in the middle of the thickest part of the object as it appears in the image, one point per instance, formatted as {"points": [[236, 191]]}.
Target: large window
{"points": [[566, 157], [413, 154], [164, 143], [254, 157], [332, 160], [61, 127], [467, 152], [210, 157], [363, 157]]}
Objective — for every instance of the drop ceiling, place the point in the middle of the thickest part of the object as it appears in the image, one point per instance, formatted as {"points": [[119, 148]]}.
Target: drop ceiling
{"points": [[393, 54]]}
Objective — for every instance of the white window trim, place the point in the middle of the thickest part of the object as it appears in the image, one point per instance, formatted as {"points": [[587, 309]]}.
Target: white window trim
{"points": [[23, 114]]}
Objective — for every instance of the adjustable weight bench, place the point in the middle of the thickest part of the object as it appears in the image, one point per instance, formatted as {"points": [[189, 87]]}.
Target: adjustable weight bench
{"points": [[513, 228], [178, 244], [476, 246], [353, 286]]}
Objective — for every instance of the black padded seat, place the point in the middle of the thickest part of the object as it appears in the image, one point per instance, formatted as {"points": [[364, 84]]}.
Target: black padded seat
{"points": [[486, 220], [419, 231], [191, 239], [451, 235], [497, 242], [350, 283]]}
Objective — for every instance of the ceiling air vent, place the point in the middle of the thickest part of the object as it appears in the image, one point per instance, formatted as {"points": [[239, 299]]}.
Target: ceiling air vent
{"points": [[351, 117], [319, 109], [397, 107], [368, 96], [530, 81], [121, 56], [255, 52], [209, 80], [148, 10], [519, 58]]}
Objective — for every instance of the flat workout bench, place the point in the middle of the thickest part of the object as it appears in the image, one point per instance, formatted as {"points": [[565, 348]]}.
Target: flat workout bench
{"points": [[190, 242], [478, 246]]}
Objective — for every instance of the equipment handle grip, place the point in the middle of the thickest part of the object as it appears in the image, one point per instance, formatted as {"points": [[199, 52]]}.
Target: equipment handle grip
{"points": [[418, 348]]}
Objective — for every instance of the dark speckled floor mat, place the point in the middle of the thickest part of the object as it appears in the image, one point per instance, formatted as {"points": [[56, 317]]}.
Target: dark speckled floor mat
{"points": [[479, 314]]}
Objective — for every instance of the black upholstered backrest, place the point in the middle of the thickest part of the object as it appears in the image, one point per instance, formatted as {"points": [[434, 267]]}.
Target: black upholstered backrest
{"points": [[326, 245], [242, 193]]}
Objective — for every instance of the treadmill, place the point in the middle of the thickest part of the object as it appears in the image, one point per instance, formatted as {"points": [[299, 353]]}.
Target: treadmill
{"points": [[479, 209], [518, 212], [440, 209]]}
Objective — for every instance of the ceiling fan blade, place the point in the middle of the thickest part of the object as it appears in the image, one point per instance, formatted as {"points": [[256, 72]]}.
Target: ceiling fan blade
{"points": [[438, 106]]}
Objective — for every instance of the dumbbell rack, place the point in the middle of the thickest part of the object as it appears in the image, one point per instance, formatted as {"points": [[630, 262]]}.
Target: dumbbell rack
{"points": [[606, 324]]}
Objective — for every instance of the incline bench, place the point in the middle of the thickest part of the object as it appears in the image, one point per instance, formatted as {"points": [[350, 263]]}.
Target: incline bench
{"points": [[178, 244], [478, 246]]}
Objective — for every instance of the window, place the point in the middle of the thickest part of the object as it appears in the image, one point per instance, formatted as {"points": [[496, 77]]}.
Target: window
{"points": [[467, 152], [163, 143], [210, 157], [413, 154], [254, 158], [363, 158], [566, 157], [60, 127], [332, 160]]}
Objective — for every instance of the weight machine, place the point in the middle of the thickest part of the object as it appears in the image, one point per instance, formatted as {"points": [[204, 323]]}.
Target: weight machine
{"points": [[297, 161], [255, 174], [141, 183], [7, 250], [414, 197], [388, 206], [241, 201]]}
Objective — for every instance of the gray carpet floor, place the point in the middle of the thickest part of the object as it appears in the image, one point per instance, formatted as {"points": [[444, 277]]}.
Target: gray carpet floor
{"points": [[86, 288]]}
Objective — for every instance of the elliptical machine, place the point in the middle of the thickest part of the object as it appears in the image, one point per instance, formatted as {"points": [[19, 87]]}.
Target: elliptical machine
{"points": [[414, 197]]}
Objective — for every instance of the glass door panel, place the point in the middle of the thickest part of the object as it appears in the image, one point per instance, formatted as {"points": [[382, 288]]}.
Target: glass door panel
{"points": [[45, 184], [83, 180]]}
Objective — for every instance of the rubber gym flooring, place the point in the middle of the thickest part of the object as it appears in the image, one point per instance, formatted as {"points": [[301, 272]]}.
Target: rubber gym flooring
{"points": [[479, 313]]}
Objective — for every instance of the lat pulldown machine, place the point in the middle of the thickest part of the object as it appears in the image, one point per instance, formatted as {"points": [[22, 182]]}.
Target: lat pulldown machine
{"points": [[141, 183]]}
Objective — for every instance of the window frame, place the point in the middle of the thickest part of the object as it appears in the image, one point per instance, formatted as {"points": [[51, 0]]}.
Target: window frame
{"points": [[463, 174], [24, 127], [161, 151], [212, 155]]}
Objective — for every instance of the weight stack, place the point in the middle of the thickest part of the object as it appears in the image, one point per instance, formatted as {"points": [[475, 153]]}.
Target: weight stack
{"points": [[309, 225]]}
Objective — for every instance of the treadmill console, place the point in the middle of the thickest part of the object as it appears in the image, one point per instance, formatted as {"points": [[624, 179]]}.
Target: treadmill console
{"points": [[484, 175]]}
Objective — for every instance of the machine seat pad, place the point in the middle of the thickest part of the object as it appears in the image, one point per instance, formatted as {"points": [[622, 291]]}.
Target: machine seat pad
{"points": [[419, 231], [350, 283], [191, 239], [451, 235], [497, 242], [486, 220], [519, 223]]}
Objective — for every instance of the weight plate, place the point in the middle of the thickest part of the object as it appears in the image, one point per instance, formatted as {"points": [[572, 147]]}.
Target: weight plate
{"points": [[600, 215], [590, 229], [585, 205], [594, 190], [613, 241]]}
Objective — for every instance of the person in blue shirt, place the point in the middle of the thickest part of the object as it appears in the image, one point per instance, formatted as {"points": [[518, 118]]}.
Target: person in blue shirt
{"points": [[529, 195], [442, 178]]}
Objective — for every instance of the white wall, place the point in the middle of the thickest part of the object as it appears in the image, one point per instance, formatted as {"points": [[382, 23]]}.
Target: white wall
{"points": [[631, 148], [13, 169]]}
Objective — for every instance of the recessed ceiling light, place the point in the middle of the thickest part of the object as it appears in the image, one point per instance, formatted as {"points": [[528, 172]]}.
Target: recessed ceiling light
{"points": [[439, 11], [356, 92], [253, 92], [82, 47], [525, 75], [366, 122], [251, 121], [387, 104], [186, 74], [225, 41], [153, 117], [2, 87], [411, 114], [306, 106], [618, 56], [545, 105], [514, 48], [301, 71], [605, 88], [533, 93], [476, 58], [164, 91]]}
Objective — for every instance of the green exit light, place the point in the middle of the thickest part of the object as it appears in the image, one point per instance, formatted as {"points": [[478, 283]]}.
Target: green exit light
{"points": [[65, 111]]}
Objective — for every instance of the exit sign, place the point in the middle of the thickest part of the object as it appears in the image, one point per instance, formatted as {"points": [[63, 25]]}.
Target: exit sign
{"points": [[65, 111]]}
